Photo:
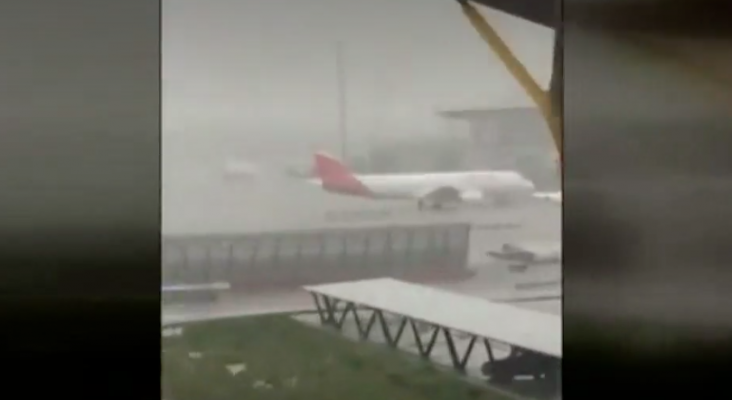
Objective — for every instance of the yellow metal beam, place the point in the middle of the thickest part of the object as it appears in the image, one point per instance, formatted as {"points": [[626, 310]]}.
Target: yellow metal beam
{"points": [[517, 70]]}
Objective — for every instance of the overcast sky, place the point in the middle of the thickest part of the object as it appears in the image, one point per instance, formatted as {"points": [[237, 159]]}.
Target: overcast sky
{"points": [[270, 65]]}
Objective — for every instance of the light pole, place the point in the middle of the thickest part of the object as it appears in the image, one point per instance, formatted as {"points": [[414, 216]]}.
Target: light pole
{"points": [[342, 101]]}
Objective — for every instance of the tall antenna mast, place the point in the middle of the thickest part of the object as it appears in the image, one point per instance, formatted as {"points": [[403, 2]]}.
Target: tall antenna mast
{"points": [[342, 101]]}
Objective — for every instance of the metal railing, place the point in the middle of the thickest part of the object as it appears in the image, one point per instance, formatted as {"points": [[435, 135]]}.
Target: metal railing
{"points": [[307, 255]]}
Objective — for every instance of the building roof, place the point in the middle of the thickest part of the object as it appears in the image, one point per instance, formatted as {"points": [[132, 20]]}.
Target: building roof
{"points": [[528, 329]]}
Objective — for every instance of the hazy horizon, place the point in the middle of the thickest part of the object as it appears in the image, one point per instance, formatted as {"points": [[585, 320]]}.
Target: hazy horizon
{"points": [[268, 69]]}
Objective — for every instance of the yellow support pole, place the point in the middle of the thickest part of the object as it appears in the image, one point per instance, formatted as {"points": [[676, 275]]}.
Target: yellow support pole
{"points": [[517, 70]]}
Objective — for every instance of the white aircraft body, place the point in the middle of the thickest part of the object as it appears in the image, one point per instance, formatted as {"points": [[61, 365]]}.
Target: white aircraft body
{"points": [[430, 190]]}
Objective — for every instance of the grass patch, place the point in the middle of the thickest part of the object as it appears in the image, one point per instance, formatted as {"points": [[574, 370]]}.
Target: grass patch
{"points": [[284, 359]]}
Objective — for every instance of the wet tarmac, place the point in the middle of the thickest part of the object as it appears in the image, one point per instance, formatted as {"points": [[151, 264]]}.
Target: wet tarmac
{"points": [[206, 203]]}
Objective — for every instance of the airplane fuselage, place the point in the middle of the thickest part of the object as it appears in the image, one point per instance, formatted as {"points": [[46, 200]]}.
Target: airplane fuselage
{"points": [[431, 190], [475, 184]]}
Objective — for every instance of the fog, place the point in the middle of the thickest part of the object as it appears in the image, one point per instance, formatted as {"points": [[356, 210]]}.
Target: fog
{"points": [[266, 71], [257, 81]]}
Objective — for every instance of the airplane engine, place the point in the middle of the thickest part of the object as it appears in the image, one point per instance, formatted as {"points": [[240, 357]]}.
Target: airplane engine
{"points": [[440, 197]]}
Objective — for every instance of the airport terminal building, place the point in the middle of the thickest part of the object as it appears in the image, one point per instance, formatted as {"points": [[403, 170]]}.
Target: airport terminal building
{"points": [[509, 138]]}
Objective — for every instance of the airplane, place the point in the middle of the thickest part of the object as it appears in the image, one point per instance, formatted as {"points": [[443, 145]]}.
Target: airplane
{"points": [[523, 256], [430, 190], [555, 197], [238, 169]]}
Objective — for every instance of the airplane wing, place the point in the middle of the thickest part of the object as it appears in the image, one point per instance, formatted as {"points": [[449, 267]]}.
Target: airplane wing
{"points": [[446, 194]]}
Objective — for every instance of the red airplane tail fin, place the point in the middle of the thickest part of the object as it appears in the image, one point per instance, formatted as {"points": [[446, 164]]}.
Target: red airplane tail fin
{"points": [[335, 176], [328, 167]]}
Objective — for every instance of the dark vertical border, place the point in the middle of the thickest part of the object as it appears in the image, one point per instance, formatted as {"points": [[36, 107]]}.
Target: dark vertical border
{"points": [[80, 196], [647, 188]]}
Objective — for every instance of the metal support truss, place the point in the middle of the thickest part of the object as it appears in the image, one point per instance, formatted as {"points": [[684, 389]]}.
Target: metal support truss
{"points": [[542, 100], [333, 316]]}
